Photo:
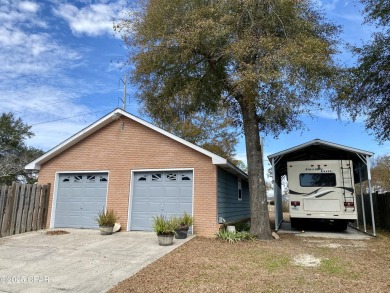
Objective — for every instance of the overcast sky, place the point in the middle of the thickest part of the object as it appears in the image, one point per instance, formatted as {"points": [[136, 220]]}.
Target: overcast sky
{"points": [[61, 59]]}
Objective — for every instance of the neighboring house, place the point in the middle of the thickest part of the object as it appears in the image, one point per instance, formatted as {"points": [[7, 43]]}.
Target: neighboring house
{"points": [[124, 163]]}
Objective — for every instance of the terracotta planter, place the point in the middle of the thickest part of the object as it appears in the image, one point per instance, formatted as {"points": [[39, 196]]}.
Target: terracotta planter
{"points": [[165, 240], [106, 230]]}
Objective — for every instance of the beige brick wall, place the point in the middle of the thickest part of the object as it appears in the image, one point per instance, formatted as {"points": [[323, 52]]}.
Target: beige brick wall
{"points": [[131, 147]]}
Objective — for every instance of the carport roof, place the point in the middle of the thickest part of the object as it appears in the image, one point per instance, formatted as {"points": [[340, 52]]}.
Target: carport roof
{"points": [[317, 149], [114, 115]]}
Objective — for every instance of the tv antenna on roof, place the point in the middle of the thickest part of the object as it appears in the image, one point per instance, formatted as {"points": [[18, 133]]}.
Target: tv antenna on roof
{"points": [[124, 81]]}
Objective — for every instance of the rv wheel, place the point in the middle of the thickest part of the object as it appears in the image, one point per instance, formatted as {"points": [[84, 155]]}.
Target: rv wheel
{"points": [[295, 223], [342, 225]]}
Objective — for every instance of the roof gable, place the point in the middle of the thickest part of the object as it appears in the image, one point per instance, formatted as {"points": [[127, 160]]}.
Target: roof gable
{"points": [[317, 149], [317, 142], [216, 160]]}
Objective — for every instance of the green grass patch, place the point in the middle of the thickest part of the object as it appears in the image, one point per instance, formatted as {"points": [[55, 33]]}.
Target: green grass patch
{"points": [[333, 267], [275, 262], [337, 268]]}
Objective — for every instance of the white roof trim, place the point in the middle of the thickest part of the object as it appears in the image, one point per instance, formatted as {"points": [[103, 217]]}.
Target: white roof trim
{"points": [[323, 142], [36, 164]]}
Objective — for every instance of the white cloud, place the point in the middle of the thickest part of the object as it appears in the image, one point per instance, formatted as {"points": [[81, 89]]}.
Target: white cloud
{"points": [[31, 53], [91, 20], [41, 103], [26, 49], [10, 38], [20, 14], [35, 83], [28, 6]]}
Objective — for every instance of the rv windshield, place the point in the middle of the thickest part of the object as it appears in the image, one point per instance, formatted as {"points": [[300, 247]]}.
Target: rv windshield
{"points": [[319, 179]]}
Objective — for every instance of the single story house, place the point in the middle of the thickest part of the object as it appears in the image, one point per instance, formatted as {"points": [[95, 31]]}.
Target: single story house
{"points": [[124, 163]]}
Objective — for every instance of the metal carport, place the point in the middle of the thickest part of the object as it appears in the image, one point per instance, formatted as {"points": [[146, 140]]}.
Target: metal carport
{"points": [[320, 150]]}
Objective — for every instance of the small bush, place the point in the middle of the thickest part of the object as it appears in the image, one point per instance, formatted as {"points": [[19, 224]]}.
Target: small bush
{"points": [[232, 237], [243, 226], [164, 226], [107, 218], [186, 220]]}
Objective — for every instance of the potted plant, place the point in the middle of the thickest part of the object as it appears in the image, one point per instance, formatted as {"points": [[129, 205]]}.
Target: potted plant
{"points": [[185, 221], [165, 229], [106, 221]]}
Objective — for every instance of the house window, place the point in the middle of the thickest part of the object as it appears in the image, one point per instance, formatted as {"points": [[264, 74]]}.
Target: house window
{"points": [[67, 179], [317, 180], [103, 179], [239, 197], [156, 177], [171, 177], [90, 178], [78, 178], [185, 178], [142, 178]]}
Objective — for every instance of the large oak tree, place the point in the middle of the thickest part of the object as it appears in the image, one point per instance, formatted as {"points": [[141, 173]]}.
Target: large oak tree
{"points": [[212, 130], [269, 60], [365, 92], [14, 153]]}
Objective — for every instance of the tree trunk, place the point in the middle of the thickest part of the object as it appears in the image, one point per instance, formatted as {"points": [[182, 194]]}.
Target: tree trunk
{"points": [[260, 225]]}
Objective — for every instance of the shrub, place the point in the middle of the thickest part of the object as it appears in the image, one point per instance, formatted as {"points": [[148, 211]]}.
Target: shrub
{"points": [[106, 218], [186, 220], [243, 226], [164, 226], [232, 237]]}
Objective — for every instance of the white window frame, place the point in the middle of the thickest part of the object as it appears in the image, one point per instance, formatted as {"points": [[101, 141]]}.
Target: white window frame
{"points": [[239, 189]]}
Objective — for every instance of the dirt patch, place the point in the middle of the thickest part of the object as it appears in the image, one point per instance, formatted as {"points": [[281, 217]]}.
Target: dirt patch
{"points": [[208, 265], [306, 260], [330, 243], [57, 232]]}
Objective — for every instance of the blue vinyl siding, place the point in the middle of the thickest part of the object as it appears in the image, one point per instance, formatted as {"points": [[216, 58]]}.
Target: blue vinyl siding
{"points": [[229, 207]]}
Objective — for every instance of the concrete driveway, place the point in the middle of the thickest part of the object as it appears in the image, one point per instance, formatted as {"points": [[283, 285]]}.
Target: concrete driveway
{"points": [[81, 261], [350, 233]]}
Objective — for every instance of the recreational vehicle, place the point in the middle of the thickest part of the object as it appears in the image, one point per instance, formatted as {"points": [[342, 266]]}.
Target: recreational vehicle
{"points": [[321, 190]]}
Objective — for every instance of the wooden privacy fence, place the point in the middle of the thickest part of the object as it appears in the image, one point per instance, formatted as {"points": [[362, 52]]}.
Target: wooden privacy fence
{"points": [[381, 205], [23, 208]]}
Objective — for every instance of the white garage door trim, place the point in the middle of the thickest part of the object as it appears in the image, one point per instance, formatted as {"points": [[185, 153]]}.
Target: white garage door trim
{"points": [[156, 170], [56, 186]]}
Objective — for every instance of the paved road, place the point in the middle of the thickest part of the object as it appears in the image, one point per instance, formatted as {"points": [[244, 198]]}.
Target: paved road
{"points": [[81, 261]]}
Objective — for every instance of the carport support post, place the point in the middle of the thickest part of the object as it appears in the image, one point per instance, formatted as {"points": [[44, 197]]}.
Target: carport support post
{"points": [[276, 180], [362, 199], [279, 198], [369, 188]]}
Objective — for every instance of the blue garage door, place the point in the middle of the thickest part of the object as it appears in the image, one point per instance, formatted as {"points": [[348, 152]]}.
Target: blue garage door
{"points": [[160, 193], [79, 199]]}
